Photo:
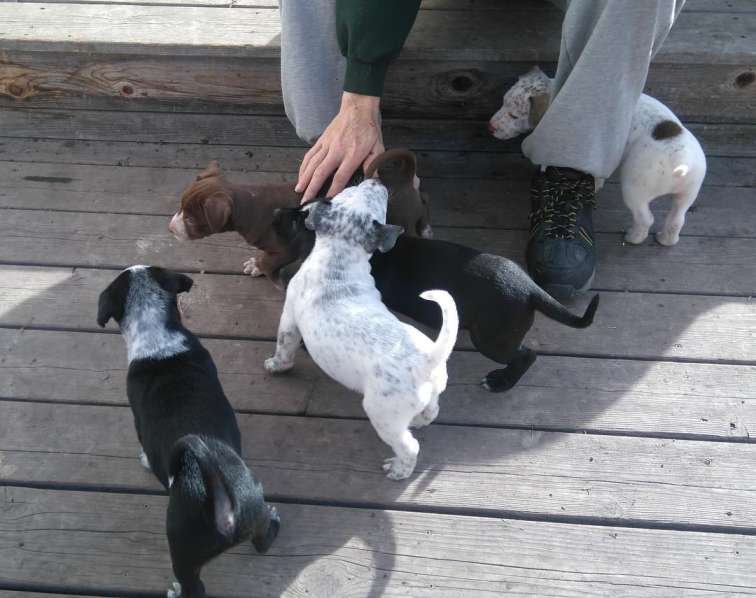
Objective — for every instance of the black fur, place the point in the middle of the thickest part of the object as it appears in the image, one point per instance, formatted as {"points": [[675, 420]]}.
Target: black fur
{"points": [[189, 433], [496, 299]]}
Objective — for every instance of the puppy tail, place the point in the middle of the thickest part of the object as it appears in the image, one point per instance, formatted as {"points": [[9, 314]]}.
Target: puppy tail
{"points": [[447, 337], [550, 307], [192, 447]]}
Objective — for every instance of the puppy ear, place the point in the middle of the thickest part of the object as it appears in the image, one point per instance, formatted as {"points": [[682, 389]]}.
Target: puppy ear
{"points": [[112, 300], [267, 530], [173, 282], [107, 307], [213, 169], [217, 209], [386, 236], [538, 106]]}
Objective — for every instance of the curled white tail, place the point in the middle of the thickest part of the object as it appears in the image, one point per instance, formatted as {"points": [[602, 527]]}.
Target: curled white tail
{"points": [[447, 337]]}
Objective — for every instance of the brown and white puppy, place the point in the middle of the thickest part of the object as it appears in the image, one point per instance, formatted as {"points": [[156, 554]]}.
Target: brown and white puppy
{"points": [[407, 206], [212, 204]]}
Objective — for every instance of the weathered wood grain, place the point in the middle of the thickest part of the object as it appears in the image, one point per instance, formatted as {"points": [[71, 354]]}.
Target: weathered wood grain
{"points": [[719, 6], [560, 393], [356, 553], [475, 470], [696, 264], [634, 325], [440, 89], [490, 203], [439, 35], [91, 368], [249, 130]]}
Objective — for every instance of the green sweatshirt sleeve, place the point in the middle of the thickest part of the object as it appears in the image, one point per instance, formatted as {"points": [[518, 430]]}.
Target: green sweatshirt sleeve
{"points": [[371, 34]]}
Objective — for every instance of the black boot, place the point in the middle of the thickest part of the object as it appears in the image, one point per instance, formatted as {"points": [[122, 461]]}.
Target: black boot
{"points": [[561, 254]]}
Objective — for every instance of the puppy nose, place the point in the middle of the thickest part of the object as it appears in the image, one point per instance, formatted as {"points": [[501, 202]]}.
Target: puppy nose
{"points": [[491, 128]]}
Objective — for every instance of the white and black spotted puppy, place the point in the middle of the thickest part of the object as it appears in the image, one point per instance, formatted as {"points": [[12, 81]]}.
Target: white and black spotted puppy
{"points": [[186, 426], [661, 156], [332, 304]]}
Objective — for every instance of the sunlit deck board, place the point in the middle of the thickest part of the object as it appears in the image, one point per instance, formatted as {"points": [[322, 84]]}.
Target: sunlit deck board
{"points": [[621, 465]]}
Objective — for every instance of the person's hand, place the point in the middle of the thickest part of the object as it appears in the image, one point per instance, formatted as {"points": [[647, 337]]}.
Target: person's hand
{"points": [[352, 140]]}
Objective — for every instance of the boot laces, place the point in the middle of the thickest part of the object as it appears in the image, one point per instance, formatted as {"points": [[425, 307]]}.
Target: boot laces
{"points": [[558, 204]]}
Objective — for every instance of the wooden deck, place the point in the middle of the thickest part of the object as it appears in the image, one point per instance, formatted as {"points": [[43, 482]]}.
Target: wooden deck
{"points": [[621, 465]]}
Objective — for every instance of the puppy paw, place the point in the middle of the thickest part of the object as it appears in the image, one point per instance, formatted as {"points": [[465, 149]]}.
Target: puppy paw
{"points": [[273, 365], [251, 268], [667, 238], [497, 381], [398, 469], [174, 591], [144, 460], [636, 236], [421, 420]]}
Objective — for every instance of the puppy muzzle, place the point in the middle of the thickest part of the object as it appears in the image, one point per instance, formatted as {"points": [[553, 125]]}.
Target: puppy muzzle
{"points": [[177, 227]]}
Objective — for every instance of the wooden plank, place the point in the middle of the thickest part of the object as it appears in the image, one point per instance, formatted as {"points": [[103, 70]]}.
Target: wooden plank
{"points": [[560, 393], [71, 367], [697, 264], [633, 325], [441, 89], [730, 141], [248, 131], [613, 479], [358, 552], [438, 35], [718, 6], [719, 211]]}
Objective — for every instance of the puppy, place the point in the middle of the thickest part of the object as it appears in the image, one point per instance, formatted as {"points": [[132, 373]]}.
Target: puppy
{"points": [[495, 298], [212, 205], [661, 157], [185, 424], [407, 207], [332, 304]]}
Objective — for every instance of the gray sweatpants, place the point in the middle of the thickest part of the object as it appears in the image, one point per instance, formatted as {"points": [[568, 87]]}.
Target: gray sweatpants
{"points": [[606, 49]]}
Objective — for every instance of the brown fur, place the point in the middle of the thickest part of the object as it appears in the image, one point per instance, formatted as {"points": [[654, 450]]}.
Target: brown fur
{"points": [[666, 129], [212, 205], [407, 207]]}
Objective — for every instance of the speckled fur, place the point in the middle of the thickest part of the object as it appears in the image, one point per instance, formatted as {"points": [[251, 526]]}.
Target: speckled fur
{"points": [[332, 304], [143, 327], [650, 168]]}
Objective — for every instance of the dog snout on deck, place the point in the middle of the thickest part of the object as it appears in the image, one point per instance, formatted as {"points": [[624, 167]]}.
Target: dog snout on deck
{"points": [[177, 227]]}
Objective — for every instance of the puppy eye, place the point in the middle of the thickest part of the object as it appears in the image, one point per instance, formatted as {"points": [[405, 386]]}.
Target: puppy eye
{"points": [[514, 116]]}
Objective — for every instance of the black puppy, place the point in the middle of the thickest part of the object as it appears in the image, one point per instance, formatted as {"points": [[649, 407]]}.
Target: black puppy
{"points": [[186, 426], [496, 299]]}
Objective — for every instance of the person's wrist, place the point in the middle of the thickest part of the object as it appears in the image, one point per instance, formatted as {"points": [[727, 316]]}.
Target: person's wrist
{"points": [[363, 103]]}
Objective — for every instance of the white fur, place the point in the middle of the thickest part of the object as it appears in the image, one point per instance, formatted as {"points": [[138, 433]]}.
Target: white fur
{"points": [[333, 304], [143, 325], [177, 226], [650, 168], [251, 267], [174, 591], [144, 460]]}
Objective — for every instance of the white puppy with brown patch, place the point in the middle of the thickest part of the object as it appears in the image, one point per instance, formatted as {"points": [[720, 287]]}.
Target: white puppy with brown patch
{"points": [[332, 304], [661, 156]]}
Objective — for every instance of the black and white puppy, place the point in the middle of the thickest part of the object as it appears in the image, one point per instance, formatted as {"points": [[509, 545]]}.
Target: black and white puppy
{"points": [[186, 426], [496, 299]]}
